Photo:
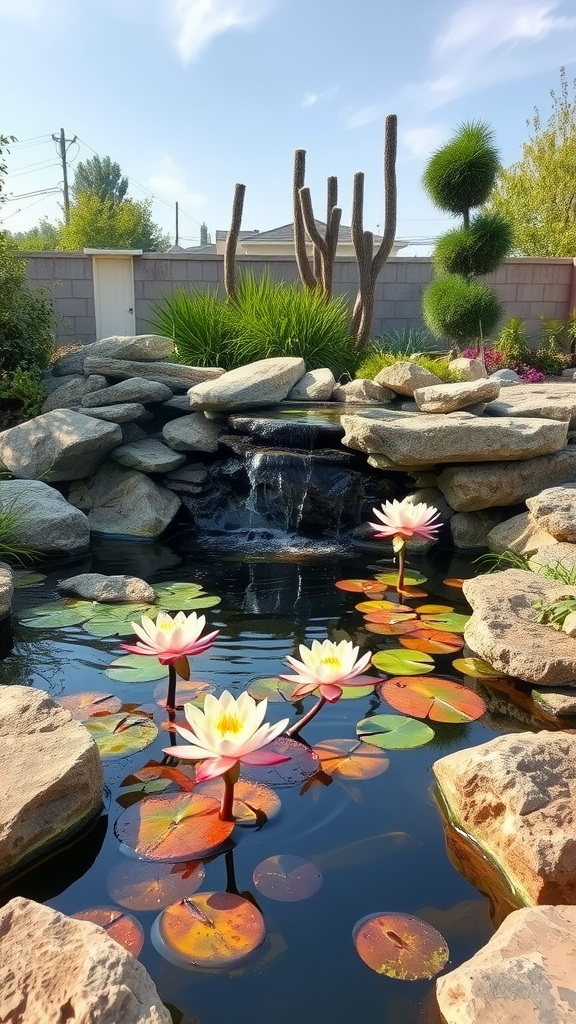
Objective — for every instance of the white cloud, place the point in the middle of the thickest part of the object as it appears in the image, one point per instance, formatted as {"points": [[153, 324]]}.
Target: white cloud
{"points": [[169, 183], [312, 98], [423, 141], [198, 22]]}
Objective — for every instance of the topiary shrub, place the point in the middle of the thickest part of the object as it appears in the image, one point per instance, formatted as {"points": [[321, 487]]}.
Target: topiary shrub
{"points": [[459, 308], [476, 250], [461, 175]]}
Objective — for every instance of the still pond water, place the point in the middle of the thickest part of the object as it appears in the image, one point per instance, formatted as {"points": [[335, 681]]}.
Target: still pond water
{"points": [[379, 842]]}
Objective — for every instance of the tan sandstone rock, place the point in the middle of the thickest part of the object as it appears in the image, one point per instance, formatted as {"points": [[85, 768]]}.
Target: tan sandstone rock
{"points": [[404, 377], [265, 382], [446, 398], [503, 628], [55, 969], [362, 391], [460, 437], [175, 376], [50, 775], [516, 797], [552, 400], [555, 511], [314, 386], [521, 534], [523, 975], [469, 488], [468, 369]]}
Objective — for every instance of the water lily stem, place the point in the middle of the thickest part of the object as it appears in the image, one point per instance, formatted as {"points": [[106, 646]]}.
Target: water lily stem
{"points": [[295, 729], [171, 698], [401, 568], [230, 778]]}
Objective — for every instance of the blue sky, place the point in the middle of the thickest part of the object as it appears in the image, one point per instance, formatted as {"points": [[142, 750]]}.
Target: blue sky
{"points": [[191, 96]]}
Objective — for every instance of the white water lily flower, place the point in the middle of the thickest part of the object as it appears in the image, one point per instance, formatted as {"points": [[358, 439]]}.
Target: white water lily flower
{"points": [[170, 639], [327, 667]]}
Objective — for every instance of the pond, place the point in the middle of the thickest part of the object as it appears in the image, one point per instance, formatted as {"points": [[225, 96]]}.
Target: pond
{"points": [[377, 843]]}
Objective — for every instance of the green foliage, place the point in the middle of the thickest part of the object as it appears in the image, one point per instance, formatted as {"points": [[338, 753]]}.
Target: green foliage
{"points": [[406, 342], [555, 333], [557, 572], [538, 193], [478, 249], [376, 359], [41, 238], [26, 388], [512, 343], [554, 613], [549, 362], [264, 321], [102, 177], [108, 224], [5, 141], [461, 174], [26, 315], [457, 308], [11, 515]]}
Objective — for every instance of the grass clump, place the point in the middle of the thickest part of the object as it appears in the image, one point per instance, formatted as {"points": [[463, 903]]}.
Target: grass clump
{"points": [[11, 515], [377, 359]]}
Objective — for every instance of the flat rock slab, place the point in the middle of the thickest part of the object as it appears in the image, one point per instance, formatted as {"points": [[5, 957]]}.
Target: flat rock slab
{"points": [[523, 975], [173, 375], [6, 590], [50, 776], [522, 534], [552, 555], [552, 401], [555, 511], [73, 391], [145, 347], [314, 386], [446, 398], [516, 797], [265, 382], [503, 628], [122, 502], [469, 488], [405, 377], [124, 412], [55, 969], [362, 392], [95, 586], [561, 702], [46, 524], [135, 389], [461, 437], [149, 456], [59, 445], [193, 433]]}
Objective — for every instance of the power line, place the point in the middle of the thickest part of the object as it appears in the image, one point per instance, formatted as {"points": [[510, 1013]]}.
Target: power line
{"points": [[32, 168], [26, 195], [62, 143], [29, 207]]}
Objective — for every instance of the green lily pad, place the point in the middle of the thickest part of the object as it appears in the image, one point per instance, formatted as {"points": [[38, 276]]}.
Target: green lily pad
{"points": [[176, 597], [122, 734], [454, 622], [411, 578], [475, 667], [355, 692], [58, 614], [394, 732], [137, 668], [109, 626], [271, 688], [402, 662], [26, 579]]}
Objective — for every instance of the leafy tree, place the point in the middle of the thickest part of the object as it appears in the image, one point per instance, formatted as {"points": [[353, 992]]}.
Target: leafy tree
{"points": [[43, 236], [5, 141], [538, 193], [26, 316], [106, 224], [102, 177]]}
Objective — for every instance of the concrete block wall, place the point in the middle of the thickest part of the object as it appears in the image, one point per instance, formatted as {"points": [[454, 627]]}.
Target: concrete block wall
{"points": [[528, 288]]}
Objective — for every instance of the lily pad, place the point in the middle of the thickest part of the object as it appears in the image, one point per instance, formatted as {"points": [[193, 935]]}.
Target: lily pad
{"points": [[271, 688], [411, 578], [22, 579], [136, 668], [183, 826], [385, 607], [83, 706], [433, 609], [185, 597], [287, 878], [144, 885], [431, 697], [254, 804], [351, 759], [355, 692], [400, 662], [302, 765], [454, 581], [214, 930], [400, 946], [431, 645], [454, 622], [123, 928], [121, 734], [360, 586], [475, 667], [58, 614], [394, 732], [187, 692]]}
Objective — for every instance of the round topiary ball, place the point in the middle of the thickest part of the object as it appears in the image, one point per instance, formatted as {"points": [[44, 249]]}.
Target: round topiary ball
{"points": [[461, 175], [459, 309], [476, 250]]}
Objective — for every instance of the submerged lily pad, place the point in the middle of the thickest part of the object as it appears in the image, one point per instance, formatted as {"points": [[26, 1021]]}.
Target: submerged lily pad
{"points": [[302, 765], [187, 692], [271, 688], [431, 697], [123, 928], [400, 946], [287, 878], [351, 759], [83, 706], [146, 885], [475, 667], [183, 826], [214, 930], [121, 734], [400, 662], [394, 732]]}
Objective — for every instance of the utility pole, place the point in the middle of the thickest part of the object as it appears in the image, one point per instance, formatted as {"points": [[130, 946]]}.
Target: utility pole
{"points": [[177, 235], [61, 144]]}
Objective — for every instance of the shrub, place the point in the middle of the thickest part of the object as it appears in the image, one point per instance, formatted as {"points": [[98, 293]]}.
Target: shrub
{"points": [[513, 343], [406, 342], [199, 323], [460, 309], [549, 362], [461, 175], [376, 359], [492, 358], [26, 315], [476, 250], [11, 550], [26, 388]]}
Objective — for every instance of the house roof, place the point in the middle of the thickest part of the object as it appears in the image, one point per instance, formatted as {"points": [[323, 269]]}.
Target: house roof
{"points": [[221, 236], [285, 233]]}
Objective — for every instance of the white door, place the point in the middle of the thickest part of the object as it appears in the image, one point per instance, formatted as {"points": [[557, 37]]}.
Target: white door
{"points": [[114, 295]]}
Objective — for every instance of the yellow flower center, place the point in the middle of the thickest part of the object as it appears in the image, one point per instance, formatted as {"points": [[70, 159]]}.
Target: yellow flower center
{"points": [[229, 724], [331, 660], [167, 626]]}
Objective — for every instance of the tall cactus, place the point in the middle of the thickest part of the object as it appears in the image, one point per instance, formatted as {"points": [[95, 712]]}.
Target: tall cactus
{"points": [[324, 248], [232, 242]]}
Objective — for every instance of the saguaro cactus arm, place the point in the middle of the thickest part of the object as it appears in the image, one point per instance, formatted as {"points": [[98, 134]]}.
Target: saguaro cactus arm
{"points": [[304, 269], [232, 241]]}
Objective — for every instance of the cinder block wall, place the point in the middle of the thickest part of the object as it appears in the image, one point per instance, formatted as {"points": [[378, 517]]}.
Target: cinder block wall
{"points": [[529, 288]]}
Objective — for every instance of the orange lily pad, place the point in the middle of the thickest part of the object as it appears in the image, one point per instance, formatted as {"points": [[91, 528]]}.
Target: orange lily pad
{"points": [[254, 804], [183, 826], [302, 765], [186, 692], [361, 586], [287, 878], [400, 946], [123, 928], [454, 581], [213, 930], [351, 759], [83, 706], [415, 642], [432, 697], [144, 885], [408, 625]]}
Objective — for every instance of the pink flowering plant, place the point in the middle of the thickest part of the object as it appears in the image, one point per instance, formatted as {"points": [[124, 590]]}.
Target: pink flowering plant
{"points": [[325, 669]]}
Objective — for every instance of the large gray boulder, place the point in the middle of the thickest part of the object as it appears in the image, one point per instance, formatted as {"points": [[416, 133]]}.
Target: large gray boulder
{"points": [[173, 375], [122, 502], [460, 437], [446, 398], [193, 433], [314, 386], [95, 586], [362, 392], [55, 969], [405, 377], [504, 630], [469, 488], [125, 412], [148, 456], [524, 975], [135, 389], [73, 391], [265, 382], [43, 806], [470, 529], [555, 511], [145, 347], [46, 524], [59, 445], [6, 590]]}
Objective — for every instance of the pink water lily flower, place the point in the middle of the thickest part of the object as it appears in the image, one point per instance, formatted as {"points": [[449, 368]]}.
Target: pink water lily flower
{"points": [[170, 639], [405, 520], [226, 733], [328, 667]]}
